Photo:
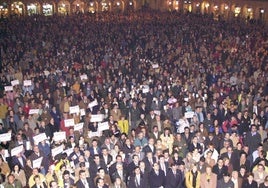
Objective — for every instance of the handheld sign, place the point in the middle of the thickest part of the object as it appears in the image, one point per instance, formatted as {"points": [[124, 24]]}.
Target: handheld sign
{"points": [[58, 136], [103, 126], [37, 162], [39, 138], [69, 122], [15, 151], [27, 82], [78, 126], [97, 118], [15, 82], [74, 109], [5, 137]]}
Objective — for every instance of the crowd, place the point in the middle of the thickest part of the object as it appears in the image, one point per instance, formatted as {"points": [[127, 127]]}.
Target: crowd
{"points": [[138, 100]]}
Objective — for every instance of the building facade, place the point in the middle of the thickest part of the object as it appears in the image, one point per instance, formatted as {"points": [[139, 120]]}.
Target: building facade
{"points": [[248, 9]]}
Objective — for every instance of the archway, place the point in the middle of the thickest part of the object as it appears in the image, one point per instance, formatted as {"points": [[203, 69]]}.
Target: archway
{"points": [[187, 6], [78, 6], [247, 12], [3, 10], [131, 6], [224, 11], [63, 8], [205, 7], [93, 7], [33, 8], [17, 8], [105, 6], [47, 9], [118, 6]]}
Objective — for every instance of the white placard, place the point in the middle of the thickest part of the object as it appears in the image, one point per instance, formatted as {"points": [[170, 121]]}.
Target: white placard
{"points": [[15, 82], [82, 112], [97, 118], [28, 145], [27, 82], [8, 88], [92, 104], [103, 126], [145, 89], [57, 150], [69, 122], [39, 138], [63, 84], [68, 151], [155, 66], [157, 112], [186, 99], [6, 153], [74, 109], [5, 137], [189, 114], [46, 73], [78, 126], [83, 77], [33, 111], [93, 134], [15, 151], [37, 162], [58, 136]]}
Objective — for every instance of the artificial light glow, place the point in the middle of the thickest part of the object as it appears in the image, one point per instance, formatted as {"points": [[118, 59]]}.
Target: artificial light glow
{"points": [[177, 2], [63, 5], [91, 4], [169, 2], [216, 7], [262, 11], [249, 9], [78, 5], [198, 4], [226, 7], [207, 5], [1, 7], [118, 3], [130, 3]]}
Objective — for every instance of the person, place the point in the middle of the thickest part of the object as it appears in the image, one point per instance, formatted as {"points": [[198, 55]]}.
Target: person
{"points": [[260, 174], [138, 180], [12, 182], [236, 180], [253, 139], [192, 177], [265, 183], [220, 169], [53, 184], [84, 181], [208, 178], [225, 181], [250, 182], [38, 183], [19, 175], [118, 183], [100, 183], [156, 177], [173, 177]]}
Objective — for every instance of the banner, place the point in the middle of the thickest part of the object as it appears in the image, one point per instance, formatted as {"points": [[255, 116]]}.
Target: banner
{"points": [[97, 118], [15, 82], [74, 109], [69, 122], [39, 138], [78, 126], [27, 82], [15, 151], [37, 162], [103, 126], [58, 136], [5, 137]]}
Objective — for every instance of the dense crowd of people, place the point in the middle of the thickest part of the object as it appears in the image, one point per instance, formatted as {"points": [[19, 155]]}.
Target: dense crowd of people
{"points": [[138, 100]]}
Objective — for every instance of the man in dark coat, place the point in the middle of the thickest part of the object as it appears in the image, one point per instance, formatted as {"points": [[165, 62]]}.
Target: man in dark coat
{"points": [[174, 177], [156, 177]]}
